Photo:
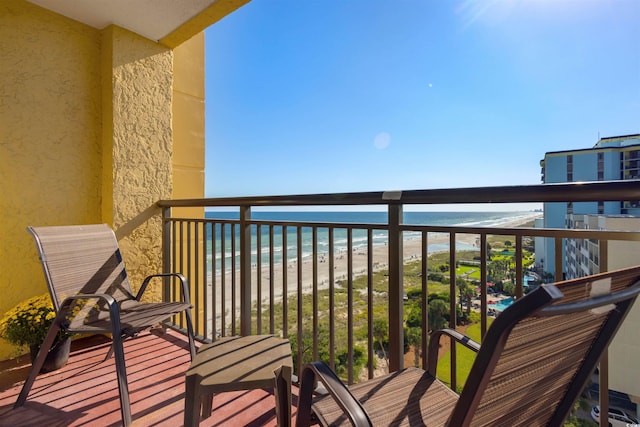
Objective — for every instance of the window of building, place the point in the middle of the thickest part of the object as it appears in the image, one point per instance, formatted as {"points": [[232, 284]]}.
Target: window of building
{"points": [[569, 168], [600, 166], [630, 164]]}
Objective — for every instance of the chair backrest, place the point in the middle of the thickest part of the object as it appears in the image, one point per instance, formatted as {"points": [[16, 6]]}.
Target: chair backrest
{"points": [[539, 353], [81, 259]]}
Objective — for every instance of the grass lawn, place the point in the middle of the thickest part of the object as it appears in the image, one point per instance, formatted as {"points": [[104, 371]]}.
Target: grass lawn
{"points": [[465, 359], [471, 272]]}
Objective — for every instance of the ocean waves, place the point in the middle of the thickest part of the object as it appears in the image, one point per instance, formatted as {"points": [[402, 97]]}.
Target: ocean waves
{"points": [[300, 240]]}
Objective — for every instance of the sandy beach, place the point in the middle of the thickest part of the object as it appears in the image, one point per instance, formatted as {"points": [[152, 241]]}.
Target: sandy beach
{"points": [[412, 250]]}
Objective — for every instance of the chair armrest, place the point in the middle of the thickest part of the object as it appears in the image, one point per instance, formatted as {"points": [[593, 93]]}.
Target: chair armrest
{"points": [[114, 309], [320, 371], [434, 344], [461, 338], [184, 282], [112, 305], [108, 298]]}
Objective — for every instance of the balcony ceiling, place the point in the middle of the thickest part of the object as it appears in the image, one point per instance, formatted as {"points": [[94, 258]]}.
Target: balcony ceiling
{"points": [[153, 19]]}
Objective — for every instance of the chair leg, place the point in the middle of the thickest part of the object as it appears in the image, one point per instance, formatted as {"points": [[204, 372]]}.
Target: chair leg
{"points": [[305, 397], [192, 401], [109, 353], [121, 369], [192, 344], [121, 373], [40, 358], [282, 394], [207, 405], [185, 297]]}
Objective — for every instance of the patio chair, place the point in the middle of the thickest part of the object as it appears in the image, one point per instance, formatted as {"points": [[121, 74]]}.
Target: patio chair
{"points": [[91, 294], [533, 364]]}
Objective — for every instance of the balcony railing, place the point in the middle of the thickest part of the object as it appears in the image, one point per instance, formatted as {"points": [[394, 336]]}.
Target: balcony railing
{"points": [[256, 275]]}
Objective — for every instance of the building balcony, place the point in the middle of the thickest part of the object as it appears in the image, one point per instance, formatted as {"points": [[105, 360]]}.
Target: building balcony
{"points": [[325, 285], [85, 391]]}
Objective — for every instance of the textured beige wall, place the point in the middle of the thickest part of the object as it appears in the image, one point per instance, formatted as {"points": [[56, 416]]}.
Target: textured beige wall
{"points": [[86, 136], [137, 113], [49, 137]]}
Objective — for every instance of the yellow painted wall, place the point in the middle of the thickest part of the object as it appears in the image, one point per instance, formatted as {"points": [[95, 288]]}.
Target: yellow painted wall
{"points": [[87, 136], [189, 152], [138, 141], [50, 137], [188, 123]]}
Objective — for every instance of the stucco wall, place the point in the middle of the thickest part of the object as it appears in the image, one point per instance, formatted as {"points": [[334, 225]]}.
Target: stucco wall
{"points": [[138, 142], [85, 137], [50, 137]]}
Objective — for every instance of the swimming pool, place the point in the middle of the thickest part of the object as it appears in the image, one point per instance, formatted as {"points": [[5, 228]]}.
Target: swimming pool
{"points": [[528, 279], [502, 305]]}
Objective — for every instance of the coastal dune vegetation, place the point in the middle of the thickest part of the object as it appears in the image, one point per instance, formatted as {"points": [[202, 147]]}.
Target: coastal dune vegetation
{"points": [[501, 268]]}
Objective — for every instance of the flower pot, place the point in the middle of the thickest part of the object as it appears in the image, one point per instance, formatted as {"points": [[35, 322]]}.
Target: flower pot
{"points": [[56, 358]]}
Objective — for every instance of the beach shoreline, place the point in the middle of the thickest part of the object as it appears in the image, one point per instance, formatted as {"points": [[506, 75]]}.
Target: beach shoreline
{"points": [[358, 260]]}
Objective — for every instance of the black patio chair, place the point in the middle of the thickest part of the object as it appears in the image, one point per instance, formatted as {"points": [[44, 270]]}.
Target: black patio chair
{"points": [[533, 364], [91, 294]]}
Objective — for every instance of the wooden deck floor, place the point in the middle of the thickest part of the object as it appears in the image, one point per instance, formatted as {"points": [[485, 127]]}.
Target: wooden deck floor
{"points": [[85, 391]]}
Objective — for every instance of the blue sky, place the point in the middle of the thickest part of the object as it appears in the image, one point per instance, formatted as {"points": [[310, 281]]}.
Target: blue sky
{"points": [[370, 95]]}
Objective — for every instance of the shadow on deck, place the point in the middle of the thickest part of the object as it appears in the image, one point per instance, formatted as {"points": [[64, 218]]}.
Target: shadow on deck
{"points": [[85, 391]]}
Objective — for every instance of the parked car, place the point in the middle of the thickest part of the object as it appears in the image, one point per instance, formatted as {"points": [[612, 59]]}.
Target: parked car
{"points": [[617, 417], [616, 399]]}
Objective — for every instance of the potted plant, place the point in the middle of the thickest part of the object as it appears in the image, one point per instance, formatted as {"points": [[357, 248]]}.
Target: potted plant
{"points": [[28, 323]]}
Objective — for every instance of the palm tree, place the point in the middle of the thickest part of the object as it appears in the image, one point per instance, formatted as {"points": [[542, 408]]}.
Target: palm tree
{"points": [[437, 310], [466, 293], [380, 333], [414, 339]]}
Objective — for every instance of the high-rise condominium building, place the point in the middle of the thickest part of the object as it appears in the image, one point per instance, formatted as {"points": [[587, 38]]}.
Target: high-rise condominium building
{"points": [[614, 158], [611, 159]]}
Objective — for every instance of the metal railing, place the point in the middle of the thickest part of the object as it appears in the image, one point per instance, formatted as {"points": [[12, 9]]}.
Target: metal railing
{"points": [[251, 275]]}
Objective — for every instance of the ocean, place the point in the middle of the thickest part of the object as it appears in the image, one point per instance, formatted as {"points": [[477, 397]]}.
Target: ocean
{"points": [[359, 236]]}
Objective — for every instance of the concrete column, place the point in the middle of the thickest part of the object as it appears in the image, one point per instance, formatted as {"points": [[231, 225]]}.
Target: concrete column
{"points": [[137, 145]]}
